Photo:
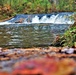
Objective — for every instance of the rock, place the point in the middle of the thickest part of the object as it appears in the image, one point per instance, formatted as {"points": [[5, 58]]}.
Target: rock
{"points": [[14, 57], [4, 59], [67, 50], [70, 51], [64, 50], [20, 20], [0, 49], [73, 25], [0, 67], [56, 49], [10, 54]]}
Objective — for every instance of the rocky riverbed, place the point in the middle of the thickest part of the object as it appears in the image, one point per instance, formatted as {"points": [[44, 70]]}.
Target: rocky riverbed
{"points": [[9, 58]]}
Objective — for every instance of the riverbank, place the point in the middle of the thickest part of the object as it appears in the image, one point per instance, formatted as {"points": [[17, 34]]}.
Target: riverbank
{"points": [[8, 54], [11, 58], [2, 18]]}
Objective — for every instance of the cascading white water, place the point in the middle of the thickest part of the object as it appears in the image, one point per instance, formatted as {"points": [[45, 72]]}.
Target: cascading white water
{"points": [[60, 18], [44, 19], [52, 18], [56, 19], [64, 20], [3, 23], [35, 19]]}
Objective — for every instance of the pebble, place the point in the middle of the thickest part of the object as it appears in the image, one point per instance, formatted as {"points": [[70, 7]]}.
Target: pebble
{"points": [[4, 59], [0, 49], [10, 54], [0, 67], [16, 55]]}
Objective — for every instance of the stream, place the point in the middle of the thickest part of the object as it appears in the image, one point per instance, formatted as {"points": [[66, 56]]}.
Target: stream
{"points": [[37, 31], [34, 30]]}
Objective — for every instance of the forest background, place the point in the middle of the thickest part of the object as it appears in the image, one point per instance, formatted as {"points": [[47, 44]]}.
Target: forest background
{"points": [[9, 8]]}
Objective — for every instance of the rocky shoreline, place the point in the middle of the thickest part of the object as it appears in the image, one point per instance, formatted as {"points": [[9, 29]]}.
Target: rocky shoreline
{"points": [[10, 57]]}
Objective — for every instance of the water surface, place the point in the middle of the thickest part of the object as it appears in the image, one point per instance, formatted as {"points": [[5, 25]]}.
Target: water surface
{"points": [[29, 35]]}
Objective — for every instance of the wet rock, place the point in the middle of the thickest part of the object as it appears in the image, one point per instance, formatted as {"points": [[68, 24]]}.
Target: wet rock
{"points": [[20, 20]]}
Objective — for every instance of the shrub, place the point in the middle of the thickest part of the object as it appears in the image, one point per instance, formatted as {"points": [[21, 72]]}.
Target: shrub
{"points": [[69, 37]]}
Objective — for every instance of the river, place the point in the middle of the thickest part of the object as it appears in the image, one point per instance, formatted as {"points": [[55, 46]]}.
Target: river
{"points": [[35, 30]]}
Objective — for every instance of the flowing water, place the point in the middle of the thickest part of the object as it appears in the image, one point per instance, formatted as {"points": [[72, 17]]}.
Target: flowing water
{"points": [[35, 30], [29, 35]]}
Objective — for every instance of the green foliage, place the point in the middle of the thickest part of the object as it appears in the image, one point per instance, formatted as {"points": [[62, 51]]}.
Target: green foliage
{"points": [[66, 5], [10, 7], [39, 6], [69, 37]]}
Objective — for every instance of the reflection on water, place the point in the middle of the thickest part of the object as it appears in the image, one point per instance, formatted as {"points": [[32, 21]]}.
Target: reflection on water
{"points": [[29, 35]]}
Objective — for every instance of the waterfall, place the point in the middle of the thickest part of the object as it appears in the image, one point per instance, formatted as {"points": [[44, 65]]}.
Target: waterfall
{"points": [[55, 18], [35, 19]]}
